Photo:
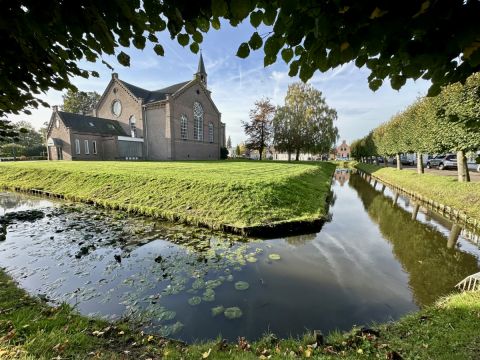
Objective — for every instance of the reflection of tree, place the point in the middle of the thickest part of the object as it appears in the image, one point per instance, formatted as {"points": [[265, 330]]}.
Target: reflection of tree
{"points": [[421, 249], [11, 200], [300, 239]]}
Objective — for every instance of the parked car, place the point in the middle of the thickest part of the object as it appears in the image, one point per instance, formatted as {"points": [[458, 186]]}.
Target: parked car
{"points": [[448, 161], [404, 161]]}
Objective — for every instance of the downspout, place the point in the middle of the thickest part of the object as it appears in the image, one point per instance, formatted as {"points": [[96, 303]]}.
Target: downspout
{"points": [[145, 126]]}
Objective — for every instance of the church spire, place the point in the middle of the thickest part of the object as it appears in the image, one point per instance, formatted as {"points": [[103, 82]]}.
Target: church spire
{"points": [[201, 74]]}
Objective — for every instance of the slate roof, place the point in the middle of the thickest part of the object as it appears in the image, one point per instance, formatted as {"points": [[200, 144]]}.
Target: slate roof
{"points": [[155, 95], [90, 124], [201, 66]]}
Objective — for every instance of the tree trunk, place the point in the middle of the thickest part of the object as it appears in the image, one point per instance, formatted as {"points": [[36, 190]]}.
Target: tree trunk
{"points": [[289, 156], [460, 165], [297, 155], [385, 161], [465, 167], [420, 169], [399, 163]]}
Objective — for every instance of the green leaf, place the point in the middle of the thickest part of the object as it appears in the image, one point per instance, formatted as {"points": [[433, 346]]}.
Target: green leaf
{"points": [[194, 47], [375, 84], [397, 81], [306, 72], [123, 59], [293, 68], [216, 23], [197, 37], [270, 15], [255, 41], [159, 50], [183, 39], [240, 8], [269, 60], [256, 18], [287, 55], [243, 50], [219, 8]]}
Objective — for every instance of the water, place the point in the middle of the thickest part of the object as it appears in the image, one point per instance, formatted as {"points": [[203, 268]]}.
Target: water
{"points": [[371, 262]]}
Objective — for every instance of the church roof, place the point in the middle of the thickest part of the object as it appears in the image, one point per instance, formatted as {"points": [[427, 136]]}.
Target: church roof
{"points": [[201, 66], [91, 124], [155, 95]]}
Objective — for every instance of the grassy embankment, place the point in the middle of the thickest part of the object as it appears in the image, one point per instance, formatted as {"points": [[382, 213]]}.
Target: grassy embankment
{"points": [[30, 329], [446, 190], [241, 195]]}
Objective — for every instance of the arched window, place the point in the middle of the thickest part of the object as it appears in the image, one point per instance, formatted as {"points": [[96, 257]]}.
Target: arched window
{"points": [[133, 128], [210, 132], [184, 127], [197, 121]]}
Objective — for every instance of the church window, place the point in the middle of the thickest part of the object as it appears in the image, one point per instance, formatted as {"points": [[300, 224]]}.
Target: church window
{"points": [[87, 149], [94, 146], [77, 146], [133, 128], [210, 132], [116, 107], [184, 127], [57, 123], [197, 121]]}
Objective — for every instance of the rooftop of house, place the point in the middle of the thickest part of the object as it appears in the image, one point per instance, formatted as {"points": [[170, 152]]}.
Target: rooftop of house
{"points": [[91, 124]]}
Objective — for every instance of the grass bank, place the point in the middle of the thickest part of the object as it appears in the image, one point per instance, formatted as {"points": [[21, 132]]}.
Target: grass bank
{"points": [[464, 197], [243, 196], [31, 329]]}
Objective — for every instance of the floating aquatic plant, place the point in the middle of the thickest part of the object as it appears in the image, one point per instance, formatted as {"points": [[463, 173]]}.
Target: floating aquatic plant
{"points": [[233, 313], [195, 300], [274, 257], [209, 295], [217, 310], [241, 285]]}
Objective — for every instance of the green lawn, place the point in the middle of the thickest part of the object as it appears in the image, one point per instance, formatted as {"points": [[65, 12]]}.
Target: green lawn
{"points": [[445, 190], [240, 194], [30, 329]]}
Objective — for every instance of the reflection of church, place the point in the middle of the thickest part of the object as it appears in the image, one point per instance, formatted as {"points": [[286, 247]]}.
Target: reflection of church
{"points": [[342, 176]]}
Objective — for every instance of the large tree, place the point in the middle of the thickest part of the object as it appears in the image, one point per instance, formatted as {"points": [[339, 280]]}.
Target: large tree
{"points": [[28, 141], [259, 128], [80, 101], [305, 123], [42, 42]]}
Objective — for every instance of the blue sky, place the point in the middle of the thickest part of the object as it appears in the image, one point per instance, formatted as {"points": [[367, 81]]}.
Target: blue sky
{"points": [[236, 83]]}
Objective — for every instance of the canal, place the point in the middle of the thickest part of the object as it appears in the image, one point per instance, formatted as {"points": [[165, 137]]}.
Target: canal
{"points": [[372, 262]]}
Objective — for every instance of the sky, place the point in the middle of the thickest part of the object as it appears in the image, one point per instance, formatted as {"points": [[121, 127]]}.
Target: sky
{"points": [[237, 83]]}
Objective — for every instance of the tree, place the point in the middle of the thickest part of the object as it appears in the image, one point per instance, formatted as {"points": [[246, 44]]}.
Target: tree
{"points": [[237, 150], [259, 128], [7, 130], [305, 122], [80, 102], [42, 43], [229, 143], [29, 142]]}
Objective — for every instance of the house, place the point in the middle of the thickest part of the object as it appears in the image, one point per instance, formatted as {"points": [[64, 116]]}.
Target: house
{"points": [[343, 150], [179, 122]]}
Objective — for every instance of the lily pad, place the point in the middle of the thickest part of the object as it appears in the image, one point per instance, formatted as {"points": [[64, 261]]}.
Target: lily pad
{"points": [[217, 310], [198, 284], [274, 257], [229, 277], [212, 284], [167, 315], [241, 285], [232, 313], [251, 259], [195, 300], [209, 295]]}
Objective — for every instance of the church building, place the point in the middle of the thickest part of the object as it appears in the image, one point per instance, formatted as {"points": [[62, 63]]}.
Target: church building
{"points": [[179, 122]]}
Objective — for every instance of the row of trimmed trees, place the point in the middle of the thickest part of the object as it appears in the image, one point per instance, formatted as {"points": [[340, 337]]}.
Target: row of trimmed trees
{"points": [[446, 123], [305, 123]]}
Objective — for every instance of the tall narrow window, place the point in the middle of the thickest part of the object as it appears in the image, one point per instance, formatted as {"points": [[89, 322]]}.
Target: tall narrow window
{"points": [[133, 128], [184, 127], [210, 132], [94, 147], [197, 121], [87, 149], [77, 146]]}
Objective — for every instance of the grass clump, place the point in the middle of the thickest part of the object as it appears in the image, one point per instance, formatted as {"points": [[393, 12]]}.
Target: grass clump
{"points": [[446, 190], [238, 194]]}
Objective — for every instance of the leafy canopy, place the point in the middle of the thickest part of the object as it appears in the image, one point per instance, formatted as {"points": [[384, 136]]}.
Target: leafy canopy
{"points": [[80, 101], [42, 42]]}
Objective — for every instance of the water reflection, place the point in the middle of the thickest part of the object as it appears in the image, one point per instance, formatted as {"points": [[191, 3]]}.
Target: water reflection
{"points": [[371, 262], [433, 263]]}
